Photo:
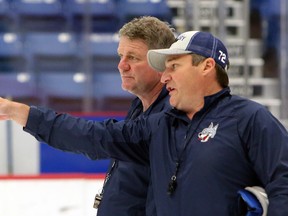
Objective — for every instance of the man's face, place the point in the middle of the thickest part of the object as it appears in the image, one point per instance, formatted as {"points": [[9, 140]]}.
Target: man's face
{"points": [[184, 82], [137, 76]]}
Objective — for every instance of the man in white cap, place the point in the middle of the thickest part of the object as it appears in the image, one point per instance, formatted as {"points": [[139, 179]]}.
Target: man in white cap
{"points": [[210, 145]]}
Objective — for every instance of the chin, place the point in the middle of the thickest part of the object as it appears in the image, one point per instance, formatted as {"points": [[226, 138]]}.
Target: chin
{"points": [[172, 104], [125, 87]]}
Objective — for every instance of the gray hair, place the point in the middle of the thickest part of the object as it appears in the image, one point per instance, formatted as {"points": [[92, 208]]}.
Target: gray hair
{"points": [[156, 34]]}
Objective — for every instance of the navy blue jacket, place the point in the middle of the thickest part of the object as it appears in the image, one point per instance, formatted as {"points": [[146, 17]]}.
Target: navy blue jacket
{"points": [[229, 144], [125, 191]]}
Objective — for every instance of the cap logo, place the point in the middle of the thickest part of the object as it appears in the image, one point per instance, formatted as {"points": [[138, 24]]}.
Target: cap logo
{"points": [[181, 37]]}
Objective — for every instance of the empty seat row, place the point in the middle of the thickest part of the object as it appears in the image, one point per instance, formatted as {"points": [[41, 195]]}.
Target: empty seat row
{"points": [[53, 51], [77, 15]]}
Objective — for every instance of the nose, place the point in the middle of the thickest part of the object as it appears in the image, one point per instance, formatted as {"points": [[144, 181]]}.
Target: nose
{"points": [[123, 65], [165, 77]]}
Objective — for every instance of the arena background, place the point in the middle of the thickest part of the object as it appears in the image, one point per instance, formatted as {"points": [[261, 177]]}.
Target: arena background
{"points": [[63, 54]]}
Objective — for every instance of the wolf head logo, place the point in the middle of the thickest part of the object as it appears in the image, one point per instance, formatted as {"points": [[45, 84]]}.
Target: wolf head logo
{"points": [[208, 133]]}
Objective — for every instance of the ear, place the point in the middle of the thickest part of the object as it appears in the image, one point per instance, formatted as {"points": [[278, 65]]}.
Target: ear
{"points": [[209, 65]]}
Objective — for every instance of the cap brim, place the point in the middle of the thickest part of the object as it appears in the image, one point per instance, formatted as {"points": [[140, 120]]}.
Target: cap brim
{"points": [[156, 58]]}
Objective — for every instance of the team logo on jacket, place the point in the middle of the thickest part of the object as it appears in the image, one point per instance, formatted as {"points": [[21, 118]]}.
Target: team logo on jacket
{"points": [[208, 133]]}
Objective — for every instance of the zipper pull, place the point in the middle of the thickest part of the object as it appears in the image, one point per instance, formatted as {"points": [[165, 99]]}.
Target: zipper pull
{"points": [[173, 182], [172, 185]]}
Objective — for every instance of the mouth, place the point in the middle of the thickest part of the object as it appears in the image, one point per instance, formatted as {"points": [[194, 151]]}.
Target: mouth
{"points": [[170, 89], [126, 77]]}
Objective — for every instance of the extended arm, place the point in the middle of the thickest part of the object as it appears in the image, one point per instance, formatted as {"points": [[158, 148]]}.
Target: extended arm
{"points": [[96, 140]]}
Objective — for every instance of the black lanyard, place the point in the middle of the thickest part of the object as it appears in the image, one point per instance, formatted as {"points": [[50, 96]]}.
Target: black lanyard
{"points": [[173, 180]]}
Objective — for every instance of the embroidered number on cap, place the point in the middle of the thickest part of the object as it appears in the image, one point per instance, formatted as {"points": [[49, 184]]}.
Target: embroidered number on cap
{"points": [[222, 57]]}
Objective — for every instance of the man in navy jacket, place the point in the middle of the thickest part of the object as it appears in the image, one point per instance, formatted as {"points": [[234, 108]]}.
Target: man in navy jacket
{"points": [[201, 152], [126, 185]]}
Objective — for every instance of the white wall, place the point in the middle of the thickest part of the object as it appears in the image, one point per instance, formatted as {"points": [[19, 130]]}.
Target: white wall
{"points": [[3, 148], [24, 155]]}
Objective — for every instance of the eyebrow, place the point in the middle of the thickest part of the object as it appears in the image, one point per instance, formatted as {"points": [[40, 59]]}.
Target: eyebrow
{"points": [[130, 54]]}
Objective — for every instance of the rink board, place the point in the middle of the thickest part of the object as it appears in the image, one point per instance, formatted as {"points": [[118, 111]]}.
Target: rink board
{"points": [[55, 161]]}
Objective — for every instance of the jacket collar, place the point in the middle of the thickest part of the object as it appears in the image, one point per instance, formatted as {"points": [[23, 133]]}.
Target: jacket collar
{"points": [[136, 105], [208, 102]]}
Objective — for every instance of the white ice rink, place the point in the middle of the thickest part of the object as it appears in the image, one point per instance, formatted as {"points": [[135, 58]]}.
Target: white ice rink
{"points": [[48, 196], [26, 193]]}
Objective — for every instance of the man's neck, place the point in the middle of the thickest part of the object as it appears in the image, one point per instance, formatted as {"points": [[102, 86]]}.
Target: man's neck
{"points": [[149, 98]]}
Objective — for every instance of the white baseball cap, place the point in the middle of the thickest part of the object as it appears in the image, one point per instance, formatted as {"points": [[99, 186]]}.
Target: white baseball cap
{"points": [[201, 43]]}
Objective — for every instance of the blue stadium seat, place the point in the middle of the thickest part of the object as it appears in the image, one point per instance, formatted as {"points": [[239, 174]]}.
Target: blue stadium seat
{"points": [[51, 51], [128, 9], [105, 44], [11, 53], [61, 84], [102, 49], [39, 15], [4, 6], [7, 21], [12, 86], [10, 44], [95, 15], [51, 43]]}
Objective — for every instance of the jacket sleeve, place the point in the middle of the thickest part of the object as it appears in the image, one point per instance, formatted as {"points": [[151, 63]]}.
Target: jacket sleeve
{"points": [[95, 140], [267, 144]]}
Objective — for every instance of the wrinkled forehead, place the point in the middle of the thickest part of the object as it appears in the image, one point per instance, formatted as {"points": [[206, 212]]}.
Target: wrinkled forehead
{"points": [[132, 46]]}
